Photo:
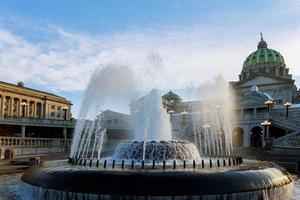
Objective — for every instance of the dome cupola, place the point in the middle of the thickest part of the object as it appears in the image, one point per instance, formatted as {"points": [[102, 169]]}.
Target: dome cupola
{"points": [[264, 61], [263, 56], [262, 44]]}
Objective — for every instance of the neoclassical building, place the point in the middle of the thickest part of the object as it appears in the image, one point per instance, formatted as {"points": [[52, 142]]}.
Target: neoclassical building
{"points": [[266, 92], [33, 113], [266, 109], [266, 68]]}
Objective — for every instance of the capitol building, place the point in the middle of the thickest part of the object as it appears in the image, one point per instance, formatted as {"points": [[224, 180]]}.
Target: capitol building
{"points": [[267, 104]]}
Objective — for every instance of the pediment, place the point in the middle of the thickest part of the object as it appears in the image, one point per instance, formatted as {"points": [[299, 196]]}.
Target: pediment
{"points": [[263, 80], [250, 101]]}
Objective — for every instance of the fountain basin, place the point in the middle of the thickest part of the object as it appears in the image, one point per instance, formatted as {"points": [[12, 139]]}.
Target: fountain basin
{"points": [[124, 184]]}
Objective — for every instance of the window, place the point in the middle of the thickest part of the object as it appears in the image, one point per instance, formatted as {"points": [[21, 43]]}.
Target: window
{"points": [[58, 115], [52, 114], [58, 107], [109, 121], [53, 107]]}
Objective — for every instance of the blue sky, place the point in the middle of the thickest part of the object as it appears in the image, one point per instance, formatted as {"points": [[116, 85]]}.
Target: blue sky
{"points": [[56, 45]]}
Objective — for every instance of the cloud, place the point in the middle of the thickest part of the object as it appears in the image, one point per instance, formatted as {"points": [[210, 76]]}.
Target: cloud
{"points": [[167, 58]]}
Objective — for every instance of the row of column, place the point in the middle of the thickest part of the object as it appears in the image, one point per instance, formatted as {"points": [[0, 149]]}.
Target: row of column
{"points": [[279, 71], [13, 107]]}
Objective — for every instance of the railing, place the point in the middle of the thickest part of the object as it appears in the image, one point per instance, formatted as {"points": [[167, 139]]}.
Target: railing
{"points": [[36, 121], [290, 140], [33, 142], [285, 122]]}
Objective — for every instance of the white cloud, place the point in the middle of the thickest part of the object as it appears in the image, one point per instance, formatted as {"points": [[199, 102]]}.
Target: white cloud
{"points": [[170, 58]]}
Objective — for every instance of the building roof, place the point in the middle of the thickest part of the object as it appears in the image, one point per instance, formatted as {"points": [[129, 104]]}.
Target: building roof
{"points": [[263, 55], [20, 86], [279, 79]]}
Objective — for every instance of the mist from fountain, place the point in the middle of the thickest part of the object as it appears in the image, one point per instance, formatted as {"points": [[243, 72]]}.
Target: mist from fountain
{"points": [[150, 117], [212, 118], [89, 135]]}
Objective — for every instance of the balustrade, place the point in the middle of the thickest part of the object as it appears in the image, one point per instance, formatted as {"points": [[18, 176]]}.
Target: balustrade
{"points": [[33, 142], [22, 120]]}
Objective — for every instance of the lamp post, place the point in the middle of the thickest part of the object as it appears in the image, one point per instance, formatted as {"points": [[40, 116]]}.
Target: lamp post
{"points": [[23, 104], [65, 108], [269, 103], [266, 125], [171, 114], [287, 105], [183, 113]]}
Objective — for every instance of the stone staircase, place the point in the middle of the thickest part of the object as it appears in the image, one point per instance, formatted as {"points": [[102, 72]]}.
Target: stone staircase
{"points": [[291, 140], [284, 122]]}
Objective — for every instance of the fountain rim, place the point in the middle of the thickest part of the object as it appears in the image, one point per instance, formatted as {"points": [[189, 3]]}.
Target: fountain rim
{"points": [[178, 183]]}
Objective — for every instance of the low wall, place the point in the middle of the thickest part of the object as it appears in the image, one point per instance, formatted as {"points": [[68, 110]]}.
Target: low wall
{"points": [[31, 151], [34, 146]]}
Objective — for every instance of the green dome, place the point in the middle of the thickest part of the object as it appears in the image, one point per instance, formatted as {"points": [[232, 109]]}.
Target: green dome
{"points": [[263, 56], [172, 96]]}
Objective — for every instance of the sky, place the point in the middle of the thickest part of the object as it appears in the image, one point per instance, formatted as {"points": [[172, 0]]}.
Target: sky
{"points": [[55, 45]]}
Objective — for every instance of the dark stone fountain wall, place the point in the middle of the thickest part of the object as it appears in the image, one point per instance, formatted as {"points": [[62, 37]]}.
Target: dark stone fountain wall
{"points": [[153, 183]]}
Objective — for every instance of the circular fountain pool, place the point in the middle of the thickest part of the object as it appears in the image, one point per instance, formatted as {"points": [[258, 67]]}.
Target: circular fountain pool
{"points": [[251, 181]]}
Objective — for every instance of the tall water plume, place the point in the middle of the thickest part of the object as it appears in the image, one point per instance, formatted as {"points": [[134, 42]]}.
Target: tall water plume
{"points": [[151, 118], [110, 83], [212, 119]]}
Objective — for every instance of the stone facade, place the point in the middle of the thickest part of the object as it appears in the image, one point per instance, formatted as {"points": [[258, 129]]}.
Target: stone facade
{"points": [[28, 112], [20, 101]]}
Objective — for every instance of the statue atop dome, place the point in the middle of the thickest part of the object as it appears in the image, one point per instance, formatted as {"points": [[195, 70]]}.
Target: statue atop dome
{"points": [[262, 44]]}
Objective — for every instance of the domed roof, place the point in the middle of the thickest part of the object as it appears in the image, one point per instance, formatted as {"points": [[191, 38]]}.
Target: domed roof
{"points": [[263, 55], [172, 96]]}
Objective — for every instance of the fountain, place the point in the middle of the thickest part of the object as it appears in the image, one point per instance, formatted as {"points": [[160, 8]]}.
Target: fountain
{"points": [[157, 164]]}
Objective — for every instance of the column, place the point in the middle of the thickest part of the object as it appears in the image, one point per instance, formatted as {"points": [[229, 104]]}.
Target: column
{"points": [[20, 114], [11, 106], [65, 133], [254, 110], [34, 110], [264, 136], [2, 106], [45, 108], [268, 132], [23, 130], [27, 109], [247, 136], [276, 71]]}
